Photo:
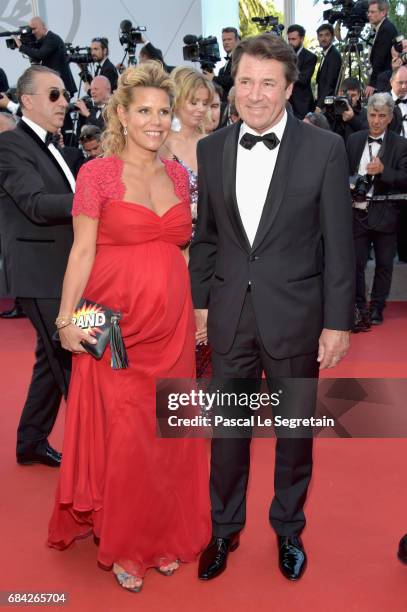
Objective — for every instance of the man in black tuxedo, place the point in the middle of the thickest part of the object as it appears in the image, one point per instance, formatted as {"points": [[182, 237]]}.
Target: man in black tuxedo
{"points": [[100, 92], [330, 66], [230, 38], [272, 260], [50, 52], [354, 117], [381, 156], [380, 55], [99, 49], [302, 99], [36, 196]]}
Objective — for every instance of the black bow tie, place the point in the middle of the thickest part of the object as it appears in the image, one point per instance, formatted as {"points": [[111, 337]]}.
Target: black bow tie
{"points": [[49, 138], [249, 140], [376, 140], [227, 57], [400, 101], [98, 69]]}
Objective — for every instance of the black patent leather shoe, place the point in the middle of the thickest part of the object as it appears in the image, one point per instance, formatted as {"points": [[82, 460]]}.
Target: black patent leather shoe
{"points": [[292, 557], [46, 455], [214, 558], [15, 313], [376, 315], [402, 552]]}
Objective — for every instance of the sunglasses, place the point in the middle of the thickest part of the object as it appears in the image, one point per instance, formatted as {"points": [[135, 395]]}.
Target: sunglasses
{"points": [[54, 94]]}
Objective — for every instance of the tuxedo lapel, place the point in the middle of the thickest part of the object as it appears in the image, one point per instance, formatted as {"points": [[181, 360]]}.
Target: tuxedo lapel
{"points": [[278, 183], [229, 183], [26, 128], [359, 148]]}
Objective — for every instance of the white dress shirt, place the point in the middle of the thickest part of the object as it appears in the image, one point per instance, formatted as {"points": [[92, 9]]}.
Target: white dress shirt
{"points": [[403, 108], [364, 161], [254, 171], [41, 133]]}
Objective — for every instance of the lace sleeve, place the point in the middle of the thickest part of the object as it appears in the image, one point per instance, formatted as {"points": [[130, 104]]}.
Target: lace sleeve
{"points": [[179, 177], [88, 199]]}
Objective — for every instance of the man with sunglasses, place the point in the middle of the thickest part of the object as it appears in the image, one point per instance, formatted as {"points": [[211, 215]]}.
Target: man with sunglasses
{"points": [[36, 193], [50, 52]]}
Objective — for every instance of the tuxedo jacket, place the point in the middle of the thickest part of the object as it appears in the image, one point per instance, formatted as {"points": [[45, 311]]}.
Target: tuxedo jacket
{"points": [[328, 75], [51, 53], [383, 216], [225, 79], [35, 215], [380, 55], [302, 99], [397, 121], [301, 264], [108, 70]]}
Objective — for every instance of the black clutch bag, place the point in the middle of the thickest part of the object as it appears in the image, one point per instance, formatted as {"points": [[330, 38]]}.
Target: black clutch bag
{"points": [[104, 323]]}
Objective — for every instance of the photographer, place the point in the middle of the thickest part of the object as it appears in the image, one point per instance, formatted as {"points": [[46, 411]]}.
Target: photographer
{"points": [[99, 50], [91, 110], [347, 115], [91, 141], [398, 92], [380, 55], [50, 52], [330, 66], [302, 99], [149, 52], [230, 38], [378, 167]]}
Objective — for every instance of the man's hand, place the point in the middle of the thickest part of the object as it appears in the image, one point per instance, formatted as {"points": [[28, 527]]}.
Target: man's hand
{"points": [[333, 346], [17, 41], [375, 167], [348, 114], [369, 91], [83, 110], [201, 318], [4, 100], [318, 110]]}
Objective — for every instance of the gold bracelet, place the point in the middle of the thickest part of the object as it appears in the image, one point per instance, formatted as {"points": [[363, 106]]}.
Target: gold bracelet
{"points": [[63, 319], [64, 325]]}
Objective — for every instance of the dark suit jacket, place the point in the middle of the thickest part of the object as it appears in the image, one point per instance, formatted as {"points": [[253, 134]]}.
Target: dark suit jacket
{"points": [[109, 71], [302, 99], [74, 158], [328, 75], [35, 215], [3, 81], [225, 79], [51, 53], [393, 154], [380, 55], [301, 265], [397, 121]]}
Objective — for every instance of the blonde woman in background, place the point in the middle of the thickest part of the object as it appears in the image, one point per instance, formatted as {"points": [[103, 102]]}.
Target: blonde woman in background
{"points": [[144, 499]]}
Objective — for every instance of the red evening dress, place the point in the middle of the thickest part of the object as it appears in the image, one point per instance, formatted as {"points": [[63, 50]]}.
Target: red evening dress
{"points": [[145, 498]]}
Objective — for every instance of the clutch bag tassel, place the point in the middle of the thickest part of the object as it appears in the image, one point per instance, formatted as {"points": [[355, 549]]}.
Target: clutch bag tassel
{"points": [[117, 348]]}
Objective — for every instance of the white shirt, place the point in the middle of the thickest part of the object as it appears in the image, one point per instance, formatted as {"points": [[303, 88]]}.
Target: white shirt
{"points": [[403, 107], [254, 171], [41, 133], [364, 161], [13, 107], [324, 54]]}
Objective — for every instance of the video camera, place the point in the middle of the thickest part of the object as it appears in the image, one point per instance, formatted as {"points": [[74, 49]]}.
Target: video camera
{"points": [[337, 105], [78, 55], [352, 14], [73, 108], [203, 50], [25, 34], [129, 36], [269, 22]]}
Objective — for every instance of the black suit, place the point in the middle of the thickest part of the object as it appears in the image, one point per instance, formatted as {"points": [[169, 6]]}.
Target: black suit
{"points": [[51, 53], [225, 79], [109, 70], [3, 81], [35, 212], [380, 55], [302, 98], [301, 272], [380, 223], [328, 75]]}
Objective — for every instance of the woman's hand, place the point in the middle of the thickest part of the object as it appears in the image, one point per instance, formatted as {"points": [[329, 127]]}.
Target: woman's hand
{"points": [[71, 337]]}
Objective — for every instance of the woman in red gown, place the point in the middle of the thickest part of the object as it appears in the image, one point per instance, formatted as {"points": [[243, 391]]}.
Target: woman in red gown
{"points": [[145, 499]]}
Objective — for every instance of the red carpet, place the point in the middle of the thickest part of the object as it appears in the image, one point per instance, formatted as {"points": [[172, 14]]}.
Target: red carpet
{"points": [[357, 511]]}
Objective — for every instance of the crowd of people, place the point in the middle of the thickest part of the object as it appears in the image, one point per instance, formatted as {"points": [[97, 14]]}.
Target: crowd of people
{"points": [[244, 178]]}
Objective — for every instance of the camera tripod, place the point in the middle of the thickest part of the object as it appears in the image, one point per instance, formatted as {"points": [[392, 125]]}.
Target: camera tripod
{"points": [[352, 62]]}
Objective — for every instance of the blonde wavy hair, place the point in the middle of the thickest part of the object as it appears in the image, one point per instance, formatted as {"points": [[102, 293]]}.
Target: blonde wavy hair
{"points": [[187, 81], [148, 74]]}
